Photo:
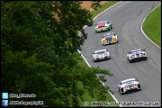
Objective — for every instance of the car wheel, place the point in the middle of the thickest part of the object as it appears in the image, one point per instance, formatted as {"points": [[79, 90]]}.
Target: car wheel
{"points": [[109, 58], [128, 58], [130, 61], [108, 42], [96, 31], [120, 91], [111, 27]]}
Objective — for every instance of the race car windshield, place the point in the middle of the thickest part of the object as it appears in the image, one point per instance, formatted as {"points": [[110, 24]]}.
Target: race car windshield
{"points": [[128, 82], [100, 52], [136, 50], [101, 24], [108, 37], [108, 34]]}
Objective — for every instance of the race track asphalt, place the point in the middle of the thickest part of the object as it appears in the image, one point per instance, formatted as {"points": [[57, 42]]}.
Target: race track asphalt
{"points": [[127, 18]]}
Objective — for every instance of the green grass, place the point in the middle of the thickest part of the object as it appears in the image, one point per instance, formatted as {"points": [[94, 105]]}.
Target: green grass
{"points": [[104, 6], [81, 62], [86, 95], [89, 99], [152, 26]]}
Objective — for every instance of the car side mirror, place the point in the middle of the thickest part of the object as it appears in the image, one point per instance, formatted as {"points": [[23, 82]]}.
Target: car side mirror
{"points": [[143, 49]]}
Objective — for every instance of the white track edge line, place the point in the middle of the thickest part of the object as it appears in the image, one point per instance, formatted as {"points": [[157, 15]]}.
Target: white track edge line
{"points": [[90, 65], [144, 32], [101, 81], [84, 59]]}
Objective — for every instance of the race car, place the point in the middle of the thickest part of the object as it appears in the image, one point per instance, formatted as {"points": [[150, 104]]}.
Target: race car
{"points": [[109, 38], [101, 54], [136, 54], [103, 26], [128, 85]]}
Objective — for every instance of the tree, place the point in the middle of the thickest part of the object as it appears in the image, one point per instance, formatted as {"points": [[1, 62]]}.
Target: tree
{"points": [[39, 44], [95, 5]]}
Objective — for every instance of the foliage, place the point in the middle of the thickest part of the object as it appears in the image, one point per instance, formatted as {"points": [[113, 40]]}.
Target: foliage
{"points": [[95, 5], [39, 44]]}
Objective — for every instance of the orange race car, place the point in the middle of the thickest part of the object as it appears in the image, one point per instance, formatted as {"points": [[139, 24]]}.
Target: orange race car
{"points": [[109, 38]]}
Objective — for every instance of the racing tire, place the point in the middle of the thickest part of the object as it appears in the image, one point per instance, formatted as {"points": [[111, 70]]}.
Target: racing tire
{"points": [[128, 59], [120, 91], [103, 44], [97, 31], [111, 27], [108, 43], [117, 41], [109, 58]]}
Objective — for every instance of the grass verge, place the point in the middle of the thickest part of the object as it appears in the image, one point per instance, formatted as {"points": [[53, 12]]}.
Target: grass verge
{"points": [[104, 6], [86, 95], [152, 26]]}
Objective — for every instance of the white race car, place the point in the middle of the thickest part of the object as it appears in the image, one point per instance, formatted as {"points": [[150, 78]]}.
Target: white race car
{"points": [[101, 54], [136, 54], [128, 84]]}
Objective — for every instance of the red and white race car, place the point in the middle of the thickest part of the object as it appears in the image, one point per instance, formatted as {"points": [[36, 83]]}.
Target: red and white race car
{"points": [[103, 26]]}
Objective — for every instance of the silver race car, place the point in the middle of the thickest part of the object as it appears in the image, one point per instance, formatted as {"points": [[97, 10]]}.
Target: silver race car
{"points": [[101, 54], [109, 38], [136, 54], [129, 84]]}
